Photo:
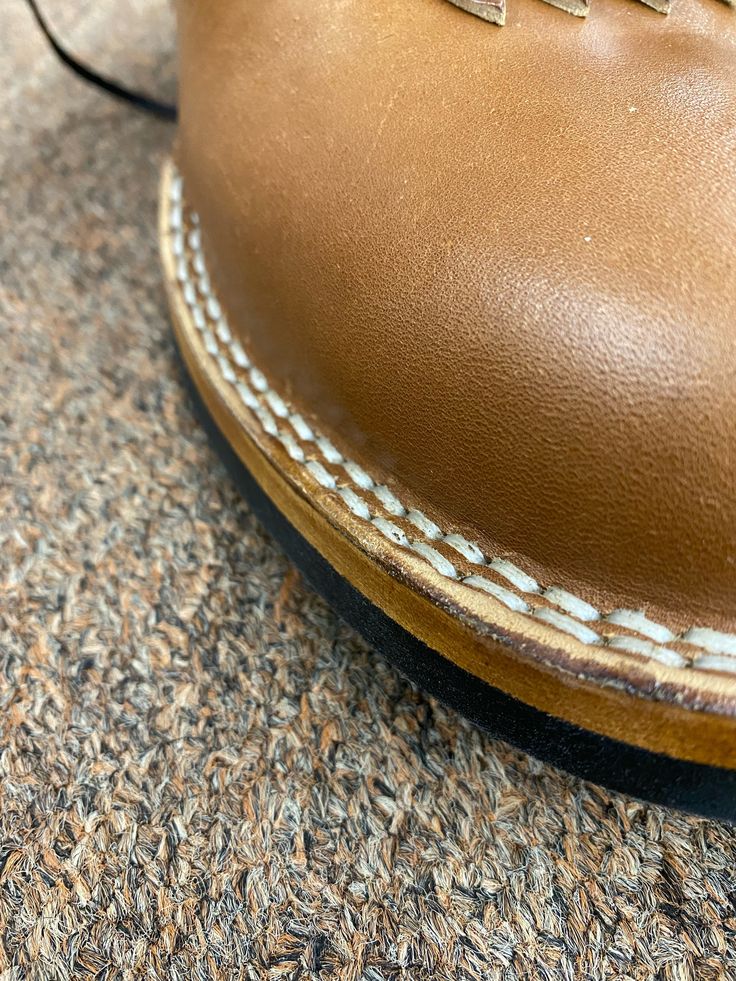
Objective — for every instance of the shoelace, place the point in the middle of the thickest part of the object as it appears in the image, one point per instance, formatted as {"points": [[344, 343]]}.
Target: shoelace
{"points": [[141, 100]]}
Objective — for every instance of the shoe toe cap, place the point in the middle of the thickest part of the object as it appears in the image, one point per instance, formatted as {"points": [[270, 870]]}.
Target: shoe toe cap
{"points": [[498, 264]]}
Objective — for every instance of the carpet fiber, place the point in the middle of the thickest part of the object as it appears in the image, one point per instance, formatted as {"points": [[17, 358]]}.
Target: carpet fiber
{"points": [[203, 773]]}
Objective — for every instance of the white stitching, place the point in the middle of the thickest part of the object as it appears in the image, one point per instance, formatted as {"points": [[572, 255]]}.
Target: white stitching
{"points": [[176, 188], [210, 345], [301, 428], [198, 263], [635, 620], [467, 549], [390, 501], [358, 475], [190, 296], [636, 646], [717, 644], [328, 450], [356, 504], [515, 575], [269, 424], [199, 319], [176, 216], [223, 331], [571, 604], [715, 662], [322, 476], [278, 406], [391, 531], [292, 447], [506, 597], [563, 622], [227, 372], [712, 640], [241, 358], [427, 527], [247, 397], [436, 559], [258, 380]]}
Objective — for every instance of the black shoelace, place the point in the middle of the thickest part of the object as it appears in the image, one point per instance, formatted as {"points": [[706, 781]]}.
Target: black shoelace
{"points": [[165, 110]]}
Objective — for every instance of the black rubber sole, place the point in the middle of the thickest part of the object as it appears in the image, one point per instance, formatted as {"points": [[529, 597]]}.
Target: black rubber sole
{"points": [[704, 790]]}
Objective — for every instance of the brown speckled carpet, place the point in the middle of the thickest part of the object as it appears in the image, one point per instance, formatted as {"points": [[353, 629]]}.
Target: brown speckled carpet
{"points": [[203, 773]]}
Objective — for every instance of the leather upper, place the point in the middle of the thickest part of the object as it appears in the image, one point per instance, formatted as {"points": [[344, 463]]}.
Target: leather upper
{"points": [[497, 264]]}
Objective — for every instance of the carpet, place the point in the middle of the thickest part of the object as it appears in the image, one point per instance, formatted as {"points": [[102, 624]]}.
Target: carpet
{"points": [[203, 773]]}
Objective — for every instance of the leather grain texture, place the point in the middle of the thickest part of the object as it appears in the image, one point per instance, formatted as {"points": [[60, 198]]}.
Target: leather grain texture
{"points": [[499, 265]]}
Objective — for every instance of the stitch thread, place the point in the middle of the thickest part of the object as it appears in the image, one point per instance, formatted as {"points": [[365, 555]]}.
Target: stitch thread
{"points": [[563, 622], [508, 598], [391, 531], [719, 647], [712, 640], [633, 620], [648, 649]]}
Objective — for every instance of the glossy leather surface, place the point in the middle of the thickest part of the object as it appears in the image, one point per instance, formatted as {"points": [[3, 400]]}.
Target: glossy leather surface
{"points": [[498, 264]]}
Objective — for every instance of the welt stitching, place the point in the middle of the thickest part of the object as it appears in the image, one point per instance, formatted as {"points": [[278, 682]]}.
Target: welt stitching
{"points": [[574, 615]]}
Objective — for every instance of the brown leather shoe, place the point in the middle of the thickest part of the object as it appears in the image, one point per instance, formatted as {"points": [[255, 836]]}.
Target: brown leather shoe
{"points": [[463, 302]]}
